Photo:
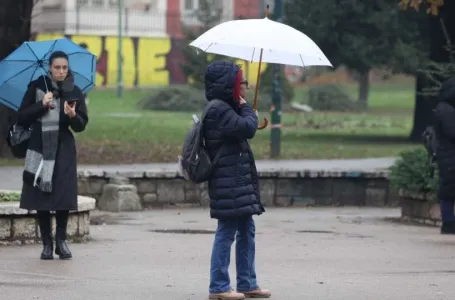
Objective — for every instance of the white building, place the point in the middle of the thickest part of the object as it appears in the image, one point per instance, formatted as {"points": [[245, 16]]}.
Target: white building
{"points": [[141, 18]]}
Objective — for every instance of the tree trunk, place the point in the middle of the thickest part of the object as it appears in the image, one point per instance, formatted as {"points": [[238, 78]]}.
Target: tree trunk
{"points": [[364, 88], [15, 21], [423, 115], [423, 110]]}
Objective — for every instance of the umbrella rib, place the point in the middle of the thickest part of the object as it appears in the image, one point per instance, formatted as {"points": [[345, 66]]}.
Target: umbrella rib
{"points": [[32, 51], [33, 75], [90, 82], [252, 56], [303, 64], [19, 60], [93, 61], [19, 73], [209, 47], [51, 48], [12, 104]]}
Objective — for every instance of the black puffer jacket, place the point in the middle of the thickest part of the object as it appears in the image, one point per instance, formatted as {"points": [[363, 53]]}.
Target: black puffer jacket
{"points": [[445, 131], [234, 187]]}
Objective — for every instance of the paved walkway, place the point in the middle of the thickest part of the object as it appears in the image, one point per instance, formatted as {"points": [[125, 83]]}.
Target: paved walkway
{"points": [[320, 253], [11, 176]]}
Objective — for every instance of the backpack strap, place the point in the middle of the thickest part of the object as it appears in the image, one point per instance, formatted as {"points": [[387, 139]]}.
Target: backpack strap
{"points": [[204, 114], [208, 107]]}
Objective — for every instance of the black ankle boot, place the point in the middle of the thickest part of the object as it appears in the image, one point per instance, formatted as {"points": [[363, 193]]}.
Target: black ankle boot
{"points": [[45, 225], [61, 248], [448, 227], [47, 252]]}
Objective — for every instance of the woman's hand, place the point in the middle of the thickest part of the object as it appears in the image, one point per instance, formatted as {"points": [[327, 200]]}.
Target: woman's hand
{"points": [[242, 101], [47, 99], [70, 110]]}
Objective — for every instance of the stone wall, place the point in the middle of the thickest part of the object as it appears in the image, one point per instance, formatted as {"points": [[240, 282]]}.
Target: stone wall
{"points": [[19, 226], [415, 208], [278, 188]]}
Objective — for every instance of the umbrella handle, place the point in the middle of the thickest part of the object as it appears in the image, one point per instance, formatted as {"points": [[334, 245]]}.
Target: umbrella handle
{"points": [[266, 122]]}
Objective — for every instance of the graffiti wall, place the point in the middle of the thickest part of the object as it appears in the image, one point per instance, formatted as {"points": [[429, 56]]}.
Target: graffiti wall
{"points": [[146, 61]]}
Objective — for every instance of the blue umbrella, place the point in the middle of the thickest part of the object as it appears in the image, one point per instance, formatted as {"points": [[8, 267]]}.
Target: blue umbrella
{"points": [[31, 60]]}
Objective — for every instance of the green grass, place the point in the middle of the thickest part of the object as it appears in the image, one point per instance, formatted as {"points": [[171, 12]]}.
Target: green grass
{"points": [[158, 136], [9, 197], [388, 97]]}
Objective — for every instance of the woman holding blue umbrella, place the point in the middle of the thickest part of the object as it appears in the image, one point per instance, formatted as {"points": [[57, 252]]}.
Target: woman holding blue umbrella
{"points": [[53, 105]]}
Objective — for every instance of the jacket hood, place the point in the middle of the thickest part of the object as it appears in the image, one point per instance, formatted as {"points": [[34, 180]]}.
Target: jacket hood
{"points": [[220, 79], [447, 92]]}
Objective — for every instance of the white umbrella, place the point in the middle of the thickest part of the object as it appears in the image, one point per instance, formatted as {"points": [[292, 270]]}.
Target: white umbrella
{"points": [[244, 39], [261, 40]]}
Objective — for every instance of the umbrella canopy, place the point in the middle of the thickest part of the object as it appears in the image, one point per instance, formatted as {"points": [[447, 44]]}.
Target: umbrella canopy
{"points": [[244, 39], [31, 60]]}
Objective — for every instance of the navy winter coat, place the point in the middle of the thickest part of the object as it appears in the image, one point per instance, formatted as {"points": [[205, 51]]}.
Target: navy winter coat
{"points": [[234, 187], [445, 131]]}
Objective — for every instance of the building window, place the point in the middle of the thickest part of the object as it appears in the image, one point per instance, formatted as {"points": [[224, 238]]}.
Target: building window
{"points": [[113, 3], [97, 3], [191, 4], [81, 3]]}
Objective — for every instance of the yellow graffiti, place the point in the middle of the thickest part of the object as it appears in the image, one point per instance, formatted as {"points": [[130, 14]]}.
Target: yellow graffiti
{"points": [[151, 65], [251, 70]]}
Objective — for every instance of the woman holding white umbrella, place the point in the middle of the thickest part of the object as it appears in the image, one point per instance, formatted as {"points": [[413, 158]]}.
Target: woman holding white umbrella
{"points": [[233, 186], [248, 40]]}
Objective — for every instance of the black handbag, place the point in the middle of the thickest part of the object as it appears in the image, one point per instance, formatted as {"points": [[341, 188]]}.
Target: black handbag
{"points": [[18, 139]]}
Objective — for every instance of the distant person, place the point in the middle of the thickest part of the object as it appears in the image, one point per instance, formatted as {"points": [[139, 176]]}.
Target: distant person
{"points": [[52, 105], [233, 187], [445, 154]]}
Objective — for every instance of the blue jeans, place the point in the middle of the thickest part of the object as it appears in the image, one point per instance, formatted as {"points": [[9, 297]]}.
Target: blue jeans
{"points": [[243, 230], [447, 210]]}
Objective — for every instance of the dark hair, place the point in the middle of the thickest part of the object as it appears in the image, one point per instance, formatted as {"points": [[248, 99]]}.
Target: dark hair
{"points": [[57, 54]]}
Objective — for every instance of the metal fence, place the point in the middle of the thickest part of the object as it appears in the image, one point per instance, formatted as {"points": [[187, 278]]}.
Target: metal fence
{"points": [[105, 21]]}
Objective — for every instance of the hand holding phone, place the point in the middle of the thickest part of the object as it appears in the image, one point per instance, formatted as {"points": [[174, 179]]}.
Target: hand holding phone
{"points": [[70, 109]]}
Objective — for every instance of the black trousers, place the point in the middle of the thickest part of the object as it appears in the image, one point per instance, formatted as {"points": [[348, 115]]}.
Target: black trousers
{"points": [[45, 224]]}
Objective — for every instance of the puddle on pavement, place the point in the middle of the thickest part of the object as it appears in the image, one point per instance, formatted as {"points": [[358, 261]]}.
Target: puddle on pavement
{"points": [[316, 231], [109, 219], [359, 236], [183, 231], [349, 235]]}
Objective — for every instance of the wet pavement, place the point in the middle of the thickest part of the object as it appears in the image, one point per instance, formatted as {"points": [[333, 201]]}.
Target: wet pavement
{"points": [[313, 253]]}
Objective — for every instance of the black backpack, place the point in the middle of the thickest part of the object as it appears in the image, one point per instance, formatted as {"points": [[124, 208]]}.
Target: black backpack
{"points": [[17, 140], [194, 163]]}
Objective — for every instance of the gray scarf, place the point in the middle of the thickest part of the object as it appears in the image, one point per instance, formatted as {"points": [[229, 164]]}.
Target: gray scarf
{"points": [[41, 164]]}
